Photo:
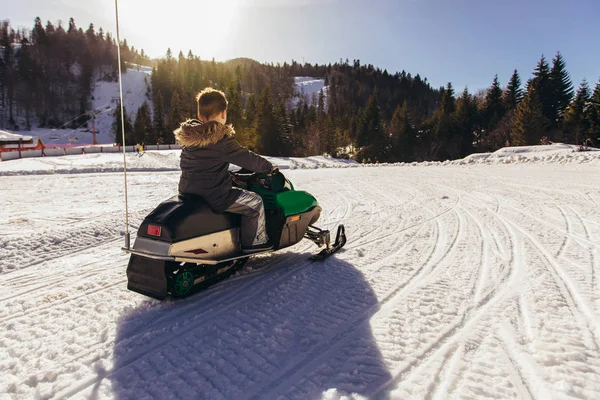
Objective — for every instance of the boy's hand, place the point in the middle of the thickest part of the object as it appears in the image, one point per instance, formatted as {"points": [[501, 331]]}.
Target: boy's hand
{"points": [[274, 170]]}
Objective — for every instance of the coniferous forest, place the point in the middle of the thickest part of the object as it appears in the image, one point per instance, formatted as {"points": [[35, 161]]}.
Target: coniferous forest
{"points": [[373, 115]]}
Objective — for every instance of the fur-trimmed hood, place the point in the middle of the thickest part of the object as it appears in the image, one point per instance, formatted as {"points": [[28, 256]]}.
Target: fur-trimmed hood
{"points": [[195, 133]]}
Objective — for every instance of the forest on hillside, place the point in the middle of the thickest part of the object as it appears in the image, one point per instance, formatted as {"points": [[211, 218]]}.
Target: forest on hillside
{"points": [[376, 115], [47, 73]]}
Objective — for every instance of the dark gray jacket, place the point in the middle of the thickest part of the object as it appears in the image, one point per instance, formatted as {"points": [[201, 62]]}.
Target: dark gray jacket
{"points": [[207, 150]]}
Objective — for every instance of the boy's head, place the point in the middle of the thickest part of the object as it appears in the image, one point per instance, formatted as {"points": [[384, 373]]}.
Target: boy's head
{"points": [[212, 105]]}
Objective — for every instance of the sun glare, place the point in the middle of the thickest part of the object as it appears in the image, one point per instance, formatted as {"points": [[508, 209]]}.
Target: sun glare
{"points": [[199, 25]]}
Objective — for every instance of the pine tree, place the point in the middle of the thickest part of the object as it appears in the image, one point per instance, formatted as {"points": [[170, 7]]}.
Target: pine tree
{"points": [[234, 107], [176, 116], [576, 123], [562, 88], [593, 115], [402, 134], [117, 127], [530, 122], [266, 125], [466, 119], [494, 109], [159, 118], [284, 128], [542, 86], [142, 127], [330, 137], [513, 93], [370, 130], [448, 103], [443, 138], [321, 103]]}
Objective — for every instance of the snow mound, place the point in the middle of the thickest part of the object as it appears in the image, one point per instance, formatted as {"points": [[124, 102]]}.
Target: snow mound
{"points": [[557, 153], [9, 136], [166, 160]]}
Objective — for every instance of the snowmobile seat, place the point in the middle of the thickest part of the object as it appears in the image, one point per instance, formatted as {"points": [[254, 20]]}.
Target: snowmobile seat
{"points": [[185, 217]]}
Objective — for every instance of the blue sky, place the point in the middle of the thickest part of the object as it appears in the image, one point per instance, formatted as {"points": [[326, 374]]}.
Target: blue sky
{"points": [[465, 42]]}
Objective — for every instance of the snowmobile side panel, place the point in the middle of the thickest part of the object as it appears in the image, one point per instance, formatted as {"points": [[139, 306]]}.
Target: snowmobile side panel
{"points": [[296, 225], [218, 245], [151, 246], [147, 276]]}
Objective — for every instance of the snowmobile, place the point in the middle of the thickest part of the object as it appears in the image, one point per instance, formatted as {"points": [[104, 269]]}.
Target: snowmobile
{"points": [[183, 246]]}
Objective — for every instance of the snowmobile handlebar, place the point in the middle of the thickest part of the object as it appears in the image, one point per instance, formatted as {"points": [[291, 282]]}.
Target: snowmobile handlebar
{"points": [[244, 177]]}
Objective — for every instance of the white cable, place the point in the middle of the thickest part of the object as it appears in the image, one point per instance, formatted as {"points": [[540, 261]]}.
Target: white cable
{"points": [[122, 127], [68, 122]]}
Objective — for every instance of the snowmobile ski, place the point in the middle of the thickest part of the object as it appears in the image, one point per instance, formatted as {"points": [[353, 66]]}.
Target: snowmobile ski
{"points": [[340, 241]]}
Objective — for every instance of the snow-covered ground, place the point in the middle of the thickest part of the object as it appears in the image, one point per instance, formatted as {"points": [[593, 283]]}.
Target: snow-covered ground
{"points": [[457, 281]]}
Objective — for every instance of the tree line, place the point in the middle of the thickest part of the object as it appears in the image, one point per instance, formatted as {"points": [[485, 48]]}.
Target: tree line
{"points": [[363, 111], [47, 73]]}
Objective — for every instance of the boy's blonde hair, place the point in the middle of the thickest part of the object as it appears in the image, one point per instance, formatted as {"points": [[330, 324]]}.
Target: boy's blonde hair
{"points": [[211, 102]]}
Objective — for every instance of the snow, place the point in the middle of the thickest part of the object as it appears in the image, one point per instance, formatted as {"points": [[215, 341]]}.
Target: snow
{"points": [[308, 88], [459, 280], [6, 136], [105, 99]]}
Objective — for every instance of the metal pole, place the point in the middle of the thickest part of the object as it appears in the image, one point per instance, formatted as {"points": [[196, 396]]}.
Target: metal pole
{"points": [[127, 237]]}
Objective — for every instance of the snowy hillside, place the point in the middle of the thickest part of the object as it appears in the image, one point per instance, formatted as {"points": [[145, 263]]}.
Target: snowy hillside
{"points": [[136, 82], [457, 281], [308, 88], [105, 98], [137, 87]]}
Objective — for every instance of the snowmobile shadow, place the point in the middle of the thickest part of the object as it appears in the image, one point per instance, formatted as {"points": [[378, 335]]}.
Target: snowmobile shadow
{"points": [[283, 327]]}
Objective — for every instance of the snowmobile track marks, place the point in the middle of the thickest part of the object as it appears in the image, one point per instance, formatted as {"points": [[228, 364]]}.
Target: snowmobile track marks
{"points": [[155, 346]]}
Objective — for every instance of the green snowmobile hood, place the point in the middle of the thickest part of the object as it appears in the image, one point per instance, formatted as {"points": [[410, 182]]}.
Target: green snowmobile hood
{"points": [[295, 202], [282, 196]]}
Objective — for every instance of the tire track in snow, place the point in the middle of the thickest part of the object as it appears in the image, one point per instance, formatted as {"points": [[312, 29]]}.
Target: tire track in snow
{"points": [[71, 243], [215, 295], [467, 323], [546, 222], [323, 350], [44, 278], [525, 389], [526, 376], [566, 286], [442, 387], [155, 345], [567, 289], [568, 232], [472, 314], [396, 204]]}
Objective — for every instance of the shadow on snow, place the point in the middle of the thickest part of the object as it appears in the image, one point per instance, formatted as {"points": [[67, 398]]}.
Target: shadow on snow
{"points": [[289, 328]]}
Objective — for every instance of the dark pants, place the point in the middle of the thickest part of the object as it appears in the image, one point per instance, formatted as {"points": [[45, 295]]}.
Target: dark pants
{"points": [[250, 206]]}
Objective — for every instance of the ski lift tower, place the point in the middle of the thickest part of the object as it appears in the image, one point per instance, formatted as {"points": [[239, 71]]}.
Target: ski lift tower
{"points": [[94, 128], [2, 103]]}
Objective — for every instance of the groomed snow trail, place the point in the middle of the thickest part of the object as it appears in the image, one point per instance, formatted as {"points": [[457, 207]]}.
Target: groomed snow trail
{"points": [[456, 282]]}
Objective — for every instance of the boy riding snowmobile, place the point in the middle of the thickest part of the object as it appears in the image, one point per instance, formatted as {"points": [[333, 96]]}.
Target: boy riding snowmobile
{"points": [[208, 147], [219, 219]]}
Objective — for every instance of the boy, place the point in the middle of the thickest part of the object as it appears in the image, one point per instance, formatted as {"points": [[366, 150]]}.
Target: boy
{"points": [[208, 147]]}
